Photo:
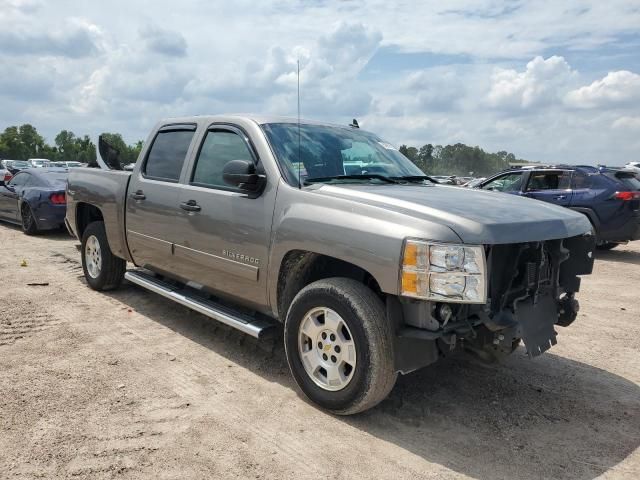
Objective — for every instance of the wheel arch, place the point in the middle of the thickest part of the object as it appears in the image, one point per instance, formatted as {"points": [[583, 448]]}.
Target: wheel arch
{"points": [[299, 268], [86, 213]]}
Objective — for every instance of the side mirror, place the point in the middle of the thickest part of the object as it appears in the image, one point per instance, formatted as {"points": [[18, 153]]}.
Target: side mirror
{"points": [[242, 174]]}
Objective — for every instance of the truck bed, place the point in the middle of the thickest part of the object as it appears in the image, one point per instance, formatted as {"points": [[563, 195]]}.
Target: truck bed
{"points": [[106, 190]]}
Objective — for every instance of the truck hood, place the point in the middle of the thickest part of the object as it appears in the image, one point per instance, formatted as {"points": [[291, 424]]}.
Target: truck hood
{"points": [[476, 216]]}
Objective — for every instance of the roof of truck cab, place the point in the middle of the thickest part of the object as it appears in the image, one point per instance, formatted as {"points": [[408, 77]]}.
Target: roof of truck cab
{"points": [[257, 118]]}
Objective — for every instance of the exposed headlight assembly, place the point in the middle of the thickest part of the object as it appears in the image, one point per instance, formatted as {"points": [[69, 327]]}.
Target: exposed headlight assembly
{"points": [[444, 272]]}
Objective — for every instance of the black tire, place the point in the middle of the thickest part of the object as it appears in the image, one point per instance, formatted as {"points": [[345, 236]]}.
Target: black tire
{"points": [[364, 314], [607, 246], [112, 268], [28, 223]]}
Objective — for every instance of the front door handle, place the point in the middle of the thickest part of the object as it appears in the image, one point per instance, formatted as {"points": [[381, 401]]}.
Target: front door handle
{"points": [[559, 197], [139, 195], [190, 206]]}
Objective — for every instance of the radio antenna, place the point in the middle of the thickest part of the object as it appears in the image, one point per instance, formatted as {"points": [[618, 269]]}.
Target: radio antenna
{"points": [[299, 161]]}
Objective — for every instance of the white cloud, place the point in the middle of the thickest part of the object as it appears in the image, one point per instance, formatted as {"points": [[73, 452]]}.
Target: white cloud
{"points": [[18, 7], [539, 84], [126, 76], [627, 123], [76, 39], [27, 80], [328, 71], [617, 89], [435, 89], [164, 42]]}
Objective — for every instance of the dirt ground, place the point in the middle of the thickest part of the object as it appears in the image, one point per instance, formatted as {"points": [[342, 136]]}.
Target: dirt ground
{"points": [[129, 385]]}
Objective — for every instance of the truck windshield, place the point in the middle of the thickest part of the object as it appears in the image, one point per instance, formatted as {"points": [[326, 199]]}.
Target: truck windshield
{"points": [[335, 153]]}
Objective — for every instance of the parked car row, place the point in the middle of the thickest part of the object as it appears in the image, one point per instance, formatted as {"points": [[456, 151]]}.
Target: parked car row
{"points": [[35, 198], [39, 163], [609, 197], [8, 168], [32, 193]]}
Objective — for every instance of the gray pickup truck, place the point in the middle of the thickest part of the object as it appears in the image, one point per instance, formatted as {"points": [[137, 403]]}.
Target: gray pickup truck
{"points": [[373, 268]]}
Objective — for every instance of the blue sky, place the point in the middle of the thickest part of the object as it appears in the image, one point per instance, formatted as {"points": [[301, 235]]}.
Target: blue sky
{"points": [[546, 80]]}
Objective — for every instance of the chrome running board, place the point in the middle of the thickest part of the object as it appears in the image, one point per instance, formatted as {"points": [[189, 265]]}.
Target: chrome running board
{"points": [[245, 323]]}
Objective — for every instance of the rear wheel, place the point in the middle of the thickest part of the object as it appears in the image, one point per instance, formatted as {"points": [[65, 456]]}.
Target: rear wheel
{"points": [[339, 345], [102, 269], [29, 225]]}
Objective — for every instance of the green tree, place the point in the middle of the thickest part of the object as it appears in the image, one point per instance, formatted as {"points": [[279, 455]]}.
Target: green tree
{"points": [[459, 159], [31, 140], [86, 150], [117, 142], [11, 144], [135, 149], [128, 153], [425, 157], [410, 152], [66, 143]]}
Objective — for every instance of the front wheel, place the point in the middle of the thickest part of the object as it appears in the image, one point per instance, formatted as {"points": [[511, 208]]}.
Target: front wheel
{"points": [[339, 345], [102, 269]]}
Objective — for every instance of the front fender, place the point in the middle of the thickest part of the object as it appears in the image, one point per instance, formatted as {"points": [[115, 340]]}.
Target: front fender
{"points": [[361, 235]]}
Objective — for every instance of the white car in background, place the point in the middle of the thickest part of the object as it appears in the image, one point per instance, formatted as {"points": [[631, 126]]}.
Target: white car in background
{"points": [[74, 164], [635, 166], [39, 162]]}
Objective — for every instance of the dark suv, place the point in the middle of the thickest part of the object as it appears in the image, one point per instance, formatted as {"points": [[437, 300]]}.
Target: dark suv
{"points": [[609, 197]]}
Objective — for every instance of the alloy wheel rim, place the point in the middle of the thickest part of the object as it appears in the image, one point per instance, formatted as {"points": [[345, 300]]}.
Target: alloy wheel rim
{"points": [[93, 256], [327, 349]]}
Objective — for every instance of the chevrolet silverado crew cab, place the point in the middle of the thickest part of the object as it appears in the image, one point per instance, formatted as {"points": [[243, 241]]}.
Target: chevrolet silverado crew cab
{"points": [[373, 268]]}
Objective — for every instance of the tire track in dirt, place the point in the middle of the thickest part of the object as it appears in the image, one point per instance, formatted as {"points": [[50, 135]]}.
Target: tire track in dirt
{"points": [[14, 327], [194, 380]]}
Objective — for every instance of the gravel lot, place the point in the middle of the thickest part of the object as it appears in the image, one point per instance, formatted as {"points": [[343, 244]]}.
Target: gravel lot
{"points": [[129, 385]]}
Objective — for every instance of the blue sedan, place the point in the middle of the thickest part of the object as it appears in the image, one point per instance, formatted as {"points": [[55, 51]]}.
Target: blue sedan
{"points": [[35, 198]]}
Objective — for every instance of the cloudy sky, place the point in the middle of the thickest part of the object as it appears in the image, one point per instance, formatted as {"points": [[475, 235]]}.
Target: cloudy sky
{"points": [[546, 80]]}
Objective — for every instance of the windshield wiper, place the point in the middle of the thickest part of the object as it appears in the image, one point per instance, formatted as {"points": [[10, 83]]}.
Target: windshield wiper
{"points": [[414, 178], [367, 176]]}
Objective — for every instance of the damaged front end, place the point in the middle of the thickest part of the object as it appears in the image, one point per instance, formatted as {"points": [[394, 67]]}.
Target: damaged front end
{"points": [[531, 289]]}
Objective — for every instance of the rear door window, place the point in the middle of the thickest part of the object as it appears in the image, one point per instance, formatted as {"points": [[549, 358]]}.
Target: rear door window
{"points": [[555, 180], [581, 180], [167, 154]]}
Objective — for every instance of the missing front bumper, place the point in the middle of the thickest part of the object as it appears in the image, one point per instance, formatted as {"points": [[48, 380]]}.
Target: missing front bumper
{"points": [[537, 324]]}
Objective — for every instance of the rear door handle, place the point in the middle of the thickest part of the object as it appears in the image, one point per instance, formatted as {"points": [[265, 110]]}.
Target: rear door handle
{"points": [[190, 206], [139, 195], [559, 197]]}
